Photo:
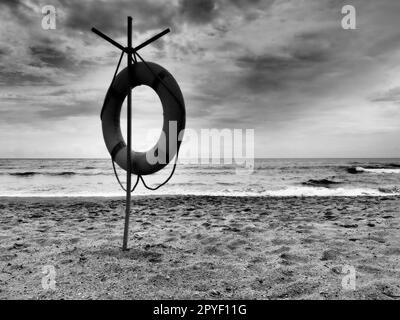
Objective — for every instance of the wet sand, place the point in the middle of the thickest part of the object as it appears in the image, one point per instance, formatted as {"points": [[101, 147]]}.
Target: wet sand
{"points": [[188, 247]]}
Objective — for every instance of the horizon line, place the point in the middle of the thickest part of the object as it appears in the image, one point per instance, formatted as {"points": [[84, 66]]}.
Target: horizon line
{"points": [[255, 158]]}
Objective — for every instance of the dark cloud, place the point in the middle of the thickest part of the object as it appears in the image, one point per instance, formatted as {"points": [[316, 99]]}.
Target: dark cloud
{"points": [[10, 3], [310, 47], [385, 46], [247, 3], [202, 12], [77, 108], [19, 9], [47, 51], [4, 51], [50, 56], [264, 73], [392, 95], [40, 108], [23, 77], [151, 15], [199, 11], [110, 16]]}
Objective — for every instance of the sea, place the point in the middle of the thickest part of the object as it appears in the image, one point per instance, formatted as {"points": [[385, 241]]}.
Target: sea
{"points": [[267, 178]]}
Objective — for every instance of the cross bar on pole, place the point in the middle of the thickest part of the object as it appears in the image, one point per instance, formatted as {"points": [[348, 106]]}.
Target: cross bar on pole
{"points": [[130, 49], [107, 38], [152, 39]]}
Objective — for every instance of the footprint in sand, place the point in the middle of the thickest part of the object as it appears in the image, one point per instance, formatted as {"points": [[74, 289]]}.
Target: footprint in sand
{"points": [[394, 251], [235, 244], [209, 240], [330, 255], [281, 250], [278, 241], [289, 258], [150, 256], [7, 257], [214, 250], [74, 240], [19, 245], [160, 280]]}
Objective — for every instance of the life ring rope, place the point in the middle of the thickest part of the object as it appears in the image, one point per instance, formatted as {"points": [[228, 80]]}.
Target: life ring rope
{"points": [[141, 177], [159, 79], [112, 81], [119, 181], [166, 181]]}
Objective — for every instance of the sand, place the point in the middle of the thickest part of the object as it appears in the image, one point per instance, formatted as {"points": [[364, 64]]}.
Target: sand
{"points": [[188, 247]]}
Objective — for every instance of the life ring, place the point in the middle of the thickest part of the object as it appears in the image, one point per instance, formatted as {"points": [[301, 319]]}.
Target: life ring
{"points": [[164, 84]]}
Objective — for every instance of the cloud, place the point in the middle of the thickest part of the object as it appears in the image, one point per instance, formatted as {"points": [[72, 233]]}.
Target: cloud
{"points": [[4, 51], [300, 61], [199, 11], [392, 95], [109, 16], [51, 56], [278, 65]]}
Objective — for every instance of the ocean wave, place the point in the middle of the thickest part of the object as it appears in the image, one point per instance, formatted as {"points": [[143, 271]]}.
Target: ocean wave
{"points": [[187, 184], [300, 167], [65, 173], [23, 174], [221, 183], [394, 165], [56, 174], [329, 192], [376, 170], [33, 173], [390, 190], [294, 191], [314, 191], [321, 182]]}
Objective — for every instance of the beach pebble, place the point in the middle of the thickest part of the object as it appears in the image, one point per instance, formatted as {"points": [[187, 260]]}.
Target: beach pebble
{"points": [[138, 236], [337, 270], [215, 293]]}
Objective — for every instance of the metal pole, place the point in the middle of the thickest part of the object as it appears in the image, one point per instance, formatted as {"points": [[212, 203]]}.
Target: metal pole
{"points": [[129, 142]]}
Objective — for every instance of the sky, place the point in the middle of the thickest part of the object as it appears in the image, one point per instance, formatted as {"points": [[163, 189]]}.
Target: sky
{"points": [[285, 68]]}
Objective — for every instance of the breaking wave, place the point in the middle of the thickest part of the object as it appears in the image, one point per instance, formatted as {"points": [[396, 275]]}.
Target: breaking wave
{"points": [[377, 170]]}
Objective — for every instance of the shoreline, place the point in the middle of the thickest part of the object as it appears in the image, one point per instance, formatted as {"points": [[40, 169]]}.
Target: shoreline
{"points": [[37, 198]]}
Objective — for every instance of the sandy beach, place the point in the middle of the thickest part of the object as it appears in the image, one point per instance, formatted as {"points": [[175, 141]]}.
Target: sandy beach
{"points": [[188, 247]]}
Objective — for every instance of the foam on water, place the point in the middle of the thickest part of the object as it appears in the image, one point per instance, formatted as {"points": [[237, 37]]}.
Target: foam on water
{"points": [[378, 170]]}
